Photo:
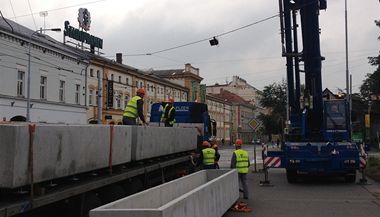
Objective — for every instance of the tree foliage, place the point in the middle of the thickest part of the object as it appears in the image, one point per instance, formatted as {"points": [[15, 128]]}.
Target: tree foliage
{"points": [[371, 85], [274, 98]]}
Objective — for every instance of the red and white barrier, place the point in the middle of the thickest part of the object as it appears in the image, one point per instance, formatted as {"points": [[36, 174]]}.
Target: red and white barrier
{"points": [[273, 162], [363, 162]]}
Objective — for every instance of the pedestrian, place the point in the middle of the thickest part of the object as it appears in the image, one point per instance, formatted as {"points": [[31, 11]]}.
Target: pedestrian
{"points": [[214, 146], [134, 109], [208, 156], [168, 115], [240, 161]]}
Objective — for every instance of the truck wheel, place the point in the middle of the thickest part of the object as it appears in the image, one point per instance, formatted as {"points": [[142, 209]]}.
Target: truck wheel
{"points": [[350, 178], [291, 176], [91, 201], [111, 193]]}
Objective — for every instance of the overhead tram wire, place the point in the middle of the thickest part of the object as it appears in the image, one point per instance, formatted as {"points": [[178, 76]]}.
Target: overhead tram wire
{"points": [[202, 40], [209, 38]]}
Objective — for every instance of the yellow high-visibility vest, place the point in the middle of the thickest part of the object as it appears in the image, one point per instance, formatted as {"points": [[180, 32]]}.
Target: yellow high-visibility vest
{"points": [[163, 118], [131, 108], [241, 160], [208, 156]]}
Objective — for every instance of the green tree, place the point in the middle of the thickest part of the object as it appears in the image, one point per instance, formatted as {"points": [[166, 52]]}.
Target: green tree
{"points": [[274, 98], [371, 83]]}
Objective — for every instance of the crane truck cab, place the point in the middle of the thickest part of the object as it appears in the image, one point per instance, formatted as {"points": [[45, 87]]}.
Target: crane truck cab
{"points": [[187, 114]]}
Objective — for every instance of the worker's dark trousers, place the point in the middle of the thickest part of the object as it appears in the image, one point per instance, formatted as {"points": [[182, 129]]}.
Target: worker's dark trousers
{"points": [[129, 121], [243, 181], [211, 166]]}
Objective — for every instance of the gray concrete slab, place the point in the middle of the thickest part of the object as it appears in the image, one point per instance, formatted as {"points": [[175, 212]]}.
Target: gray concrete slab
{"points": [[59, 151], [152, 141], [205, 193]]}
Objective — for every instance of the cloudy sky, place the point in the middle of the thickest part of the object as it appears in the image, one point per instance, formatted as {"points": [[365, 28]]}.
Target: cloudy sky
{"points": [[253, 53]]}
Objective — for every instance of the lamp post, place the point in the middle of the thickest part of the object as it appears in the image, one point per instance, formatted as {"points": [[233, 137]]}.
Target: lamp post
{"points": [[28, 79]]}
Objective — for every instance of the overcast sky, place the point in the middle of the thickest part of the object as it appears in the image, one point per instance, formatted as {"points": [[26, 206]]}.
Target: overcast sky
{"points": [[253, 53]]}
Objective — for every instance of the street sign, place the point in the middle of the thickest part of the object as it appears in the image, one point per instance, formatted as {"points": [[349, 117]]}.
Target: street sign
{"points": [[109, 94], [254, 124]]}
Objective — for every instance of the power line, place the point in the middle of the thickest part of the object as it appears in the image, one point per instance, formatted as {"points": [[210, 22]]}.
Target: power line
{"points": [[10, 1], [30, 8], [56, 9]]}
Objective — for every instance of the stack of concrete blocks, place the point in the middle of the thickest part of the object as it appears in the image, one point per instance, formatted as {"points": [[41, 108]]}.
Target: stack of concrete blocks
{"points": [[59, 151], [65, 150], [205, 193]]}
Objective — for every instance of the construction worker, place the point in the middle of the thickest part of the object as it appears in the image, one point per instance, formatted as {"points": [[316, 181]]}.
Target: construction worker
{"points": [[135, 109], [240, 161], [214, 146], [168, 115], [208, 156]]}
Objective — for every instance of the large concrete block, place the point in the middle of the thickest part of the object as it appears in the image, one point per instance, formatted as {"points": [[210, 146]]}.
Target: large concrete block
{"points": [[59, 151], [149, 142], [205, 193]]}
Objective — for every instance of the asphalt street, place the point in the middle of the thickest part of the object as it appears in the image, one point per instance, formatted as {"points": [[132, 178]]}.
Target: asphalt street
{"points": [[314, 197]]}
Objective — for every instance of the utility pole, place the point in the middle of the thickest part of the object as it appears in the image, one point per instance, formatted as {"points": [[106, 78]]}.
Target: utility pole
{"points": [[347, 71]]}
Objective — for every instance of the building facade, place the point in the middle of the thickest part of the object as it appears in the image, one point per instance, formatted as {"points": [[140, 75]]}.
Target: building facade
{"points": [[57, 77], [240, 87], [119, 84], [221, 111], [188, 77]]}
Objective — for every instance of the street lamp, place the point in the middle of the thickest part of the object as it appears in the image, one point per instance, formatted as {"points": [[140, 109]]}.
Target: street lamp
{"points": [[28, 81]]}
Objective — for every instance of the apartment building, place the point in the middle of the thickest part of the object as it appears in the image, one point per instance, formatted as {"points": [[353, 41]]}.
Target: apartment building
{"points": [[56, 80]]}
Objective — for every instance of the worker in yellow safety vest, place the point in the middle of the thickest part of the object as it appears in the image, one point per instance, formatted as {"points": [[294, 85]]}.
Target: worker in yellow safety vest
{"points": [[168, 115], [135, 109], [214, 146], [208, 156], [240, 161]]}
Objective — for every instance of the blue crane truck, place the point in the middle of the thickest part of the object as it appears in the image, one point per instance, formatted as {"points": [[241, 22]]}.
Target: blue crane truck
{"points": [[317, 139]]}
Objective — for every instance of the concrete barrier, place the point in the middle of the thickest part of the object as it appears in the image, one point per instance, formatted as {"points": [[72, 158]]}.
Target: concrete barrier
{"points": [[59, 151], [205, 193], [150, 142]]}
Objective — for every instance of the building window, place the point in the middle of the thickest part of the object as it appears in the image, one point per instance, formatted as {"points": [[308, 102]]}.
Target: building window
{"points": [[141, 84], [96, 97], [148, 88], [20, 83], [61, 91], [118, 101], [43, 83], [119, 79], [91, 72], [111, 77], [97, 73], [90, 96], [127, 81], [77, 94]]}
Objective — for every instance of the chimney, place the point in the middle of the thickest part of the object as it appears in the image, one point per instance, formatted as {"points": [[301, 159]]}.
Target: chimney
{"points": [[119, 58]]}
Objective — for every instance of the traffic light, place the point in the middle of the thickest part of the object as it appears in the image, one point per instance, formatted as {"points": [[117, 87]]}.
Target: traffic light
{"points": [[214, 41], [322, 4]]}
